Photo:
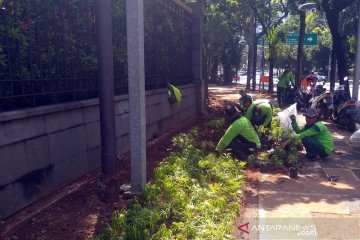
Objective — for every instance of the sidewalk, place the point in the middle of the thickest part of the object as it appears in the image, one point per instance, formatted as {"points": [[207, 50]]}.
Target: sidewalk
{"points": [[322, 203]]}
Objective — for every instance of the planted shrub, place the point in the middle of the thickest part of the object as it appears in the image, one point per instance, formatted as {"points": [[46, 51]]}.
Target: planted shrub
{"points": [[216, 124], [192, 196], [272, 153]]}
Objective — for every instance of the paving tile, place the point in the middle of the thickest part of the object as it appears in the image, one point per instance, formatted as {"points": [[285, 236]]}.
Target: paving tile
{"points": [[353, 163], [335, 226], [300, 202], [353, 203], [311, 181], [340, 144], [284, 225], [349, 156], [346, 183], [333, 163], [357, 173]]}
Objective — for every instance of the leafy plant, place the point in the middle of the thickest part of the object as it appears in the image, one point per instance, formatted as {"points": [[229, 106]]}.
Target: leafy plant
{"points": [[207, 145], [192, 196], [272, 153], [216, 123]]}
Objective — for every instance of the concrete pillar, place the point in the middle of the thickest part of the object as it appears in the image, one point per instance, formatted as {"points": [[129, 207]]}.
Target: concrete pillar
{"points": [[136, 73], [197, 26], [106, 85]]}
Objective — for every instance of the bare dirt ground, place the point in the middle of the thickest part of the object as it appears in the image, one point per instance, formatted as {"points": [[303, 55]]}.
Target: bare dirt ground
{"points": [[75, 212]]}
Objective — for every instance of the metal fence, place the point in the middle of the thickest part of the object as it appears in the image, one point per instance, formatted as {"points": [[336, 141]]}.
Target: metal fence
{"points": [[48, 50]]}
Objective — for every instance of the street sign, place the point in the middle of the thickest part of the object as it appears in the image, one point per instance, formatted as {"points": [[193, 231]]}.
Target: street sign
{"points": [[310, 39]]}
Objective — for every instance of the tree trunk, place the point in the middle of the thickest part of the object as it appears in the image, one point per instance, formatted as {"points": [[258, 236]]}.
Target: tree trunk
{"points": [[300, 50], [333, 70], [271, 76], [254, 65], [227, 75], [248, 73], [251, 47], [271, 68], [214, 71], [333, 22]]}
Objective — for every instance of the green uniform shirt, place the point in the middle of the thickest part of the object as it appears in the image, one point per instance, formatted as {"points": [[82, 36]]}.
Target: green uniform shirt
{"points": [[176, 93], [285, 78], [318, 131], [241, 127], [265, 112]]}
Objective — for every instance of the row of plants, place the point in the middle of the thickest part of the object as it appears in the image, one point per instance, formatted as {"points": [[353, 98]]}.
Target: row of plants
{"points": [[193, 195]]}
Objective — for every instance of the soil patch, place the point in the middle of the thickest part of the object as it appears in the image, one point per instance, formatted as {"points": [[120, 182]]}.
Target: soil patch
{"points": [[75, 212]]}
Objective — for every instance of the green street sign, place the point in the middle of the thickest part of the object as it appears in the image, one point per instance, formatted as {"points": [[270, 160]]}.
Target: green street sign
{"points": [[292, 38], [310, 39]]}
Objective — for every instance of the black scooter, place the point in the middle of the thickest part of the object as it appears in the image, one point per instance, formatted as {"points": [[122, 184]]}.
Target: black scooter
{"points": [[303, 97], [290, 95], [345, 111]]}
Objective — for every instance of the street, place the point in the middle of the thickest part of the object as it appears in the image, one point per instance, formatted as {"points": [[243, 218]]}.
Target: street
{"points": [[266, 85]]}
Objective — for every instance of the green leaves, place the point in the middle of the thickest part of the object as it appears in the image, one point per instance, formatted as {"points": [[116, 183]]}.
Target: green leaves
{"points": [[192, 196], [216, 123]]}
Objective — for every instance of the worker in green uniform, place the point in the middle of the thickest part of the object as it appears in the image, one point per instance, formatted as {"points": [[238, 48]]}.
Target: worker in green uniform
{"points": [[241, 137], [260, 113], [174, 94], [285, 78], [245, 101], [315, 136]]}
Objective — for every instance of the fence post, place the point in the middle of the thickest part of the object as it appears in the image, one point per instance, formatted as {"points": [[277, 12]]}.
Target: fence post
{"points": [[197, 41], [136, 79], [106, 95]]}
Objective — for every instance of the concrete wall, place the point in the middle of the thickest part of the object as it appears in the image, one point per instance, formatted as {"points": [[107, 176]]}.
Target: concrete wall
{"points": [[43, 148]]}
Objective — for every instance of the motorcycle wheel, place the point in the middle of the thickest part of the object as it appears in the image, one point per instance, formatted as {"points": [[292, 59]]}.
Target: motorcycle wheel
{"points": [[326, 113], [334, 117]]}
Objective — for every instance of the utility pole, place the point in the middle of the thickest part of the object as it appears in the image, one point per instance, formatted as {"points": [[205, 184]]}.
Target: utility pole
{"points": [[300, 50], [262, 73], [250, 49], [254, 56]]}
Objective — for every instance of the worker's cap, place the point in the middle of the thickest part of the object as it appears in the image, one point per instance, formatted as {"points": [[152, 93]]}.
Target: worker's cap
{"points": [[242, 91], [311, 112]]}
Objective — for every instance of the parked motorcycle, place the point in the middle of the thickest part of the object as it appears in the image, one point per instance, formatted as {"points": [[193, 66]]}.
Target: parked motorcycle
{"points": [[303, 97], [290, 95], [305, 92], [345, 111], [220, 80], [322, 100]]}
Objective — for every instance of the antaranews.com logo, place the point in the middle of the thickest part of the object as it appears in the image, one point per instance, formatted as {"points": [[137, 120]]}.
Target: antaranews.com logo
{"points": [[292, 229], [334, 227]]}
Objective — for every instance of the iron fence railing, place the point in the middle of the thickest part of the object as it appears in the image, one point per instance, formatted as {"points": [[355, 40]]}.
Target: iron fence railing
{"points": [[48, 50]]}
